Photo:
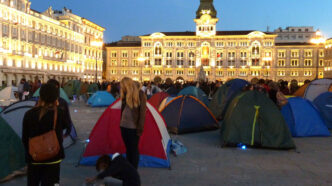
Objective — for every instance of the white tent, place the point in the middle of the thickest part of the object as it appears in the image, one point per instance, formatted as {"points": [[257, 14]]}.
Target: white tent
{"points": [[317, 87], [7, 96]]}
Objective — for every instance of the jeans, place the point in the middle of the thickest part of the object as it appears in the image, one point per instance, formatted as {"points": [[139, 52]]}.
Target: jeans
{"points": [[131, 139], [44, 175]]}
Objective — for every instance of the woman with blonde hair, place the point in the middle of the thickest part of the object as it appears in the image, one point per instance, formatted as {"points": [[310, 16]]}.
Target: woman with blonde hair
{"points": [[133, 110]]}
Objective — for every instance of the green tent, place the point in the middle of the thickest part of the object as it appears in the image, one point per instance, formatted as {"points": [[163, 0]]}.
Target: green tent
{"points": [[93, 88], [253, 119], [11, 150], [72, 87], [224, 95], [63, 94]]}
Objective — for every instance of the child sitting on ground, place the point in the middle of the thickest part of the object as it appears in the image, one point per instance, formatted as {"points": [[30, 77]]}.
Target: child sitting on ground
{"points": [[118, 168]]}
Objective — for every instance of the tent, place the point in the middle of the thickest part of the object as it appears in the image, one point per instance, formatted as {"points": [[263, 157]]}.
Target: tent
{"points": [[157, 98], [164, 103], [324, 105], [224, 95], [63, 95], [317, 87], [72, 87], [7, 96], [14, 114], [11, 151], [101, 99], [105, 138], [186, 114], [300, 92], [172, 91], [196, 92], [252, 119], [303, 118]]}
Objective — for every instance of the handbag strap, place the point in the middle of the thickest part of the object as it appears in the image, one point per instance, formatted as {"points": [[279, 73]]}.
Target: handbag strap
{"points": [[55, 116]]}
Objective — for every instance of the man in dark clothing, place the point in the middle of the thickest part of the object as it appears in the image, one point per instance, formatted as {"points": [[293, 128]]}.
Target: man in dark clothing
{"points": [[118, 168]]}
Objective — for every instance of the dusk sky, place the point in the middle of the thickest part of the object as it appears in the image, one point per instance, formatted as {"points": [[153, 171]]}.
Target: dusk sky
{"points": [[139, 17]]}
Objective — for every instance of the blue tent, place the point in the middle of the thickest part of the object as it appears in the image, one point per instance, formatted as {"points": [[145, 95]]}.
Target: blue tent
{"points": [[303, 119], [186, 114], [101, 99], [196, 92], [324, 104]]}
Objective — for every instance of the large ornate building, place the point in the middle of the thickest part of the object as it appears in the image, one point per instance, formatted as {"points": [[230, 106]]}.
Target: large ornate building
{"points": [[222, 55], [328, 59], [52, 44]]}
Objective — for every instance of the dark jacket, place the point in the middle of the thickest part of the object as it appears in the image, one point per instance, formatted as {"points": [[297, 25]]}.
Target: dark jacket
{"points": [[121, 169], [138, 113], [32, 127]]}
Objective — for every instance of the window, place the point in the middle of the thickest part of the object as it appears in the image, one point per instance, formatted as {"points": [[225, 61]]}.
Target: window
{"points": [[268, 43], [307, 53], [219, 54], [14, 32], [243, 44], [231, 58], [125, 54], [124, 63], [169, 54], [169, 62], [294, 53], [321, 53], [157, 72], [147, 54], [307, 62], [231, 44], [169, 44], [113, 54], [179, 72], [146, 72], [321, 63], [191, 44], [191, 54], [124, 72], [307, 73], [267, 63], [281, 73], [135, 63], [219, 73], [157, 49], [180, 54], [147, 62], [255, 62], [281, 63], [191, 62], [113, 63], [243, 54], [179, 44], [157, 62], [168, 72], [294, 63], [147, 44], [255, 73], [231, 73], [294, 73], [191, 72], [5, 30], [135, 54], [179, 62], [219, 44], [243, 62], [243, 73], [219, 63], [135, 72]]}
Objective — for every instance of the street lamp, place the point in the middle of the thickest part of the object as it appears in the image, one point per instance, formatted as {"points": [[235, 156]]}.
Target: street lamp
{"points": [[317, 40], [96, 44], [141, 59]]}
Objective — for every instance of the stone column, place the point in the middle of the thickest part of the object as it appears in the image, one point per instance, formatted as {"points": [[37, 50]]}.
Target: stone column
{"points": [[2, 77], [9, 79], [18, 80]]}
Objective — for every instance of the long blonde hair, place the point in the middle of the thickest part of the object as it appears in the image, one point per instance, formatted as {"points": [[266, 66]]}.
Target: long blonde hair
{"points": [[130, 92]]}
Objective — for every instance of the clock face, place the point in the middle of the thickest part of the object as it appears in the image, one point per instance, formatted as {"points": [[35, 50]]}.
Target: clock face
{"points": [[206, 19]]}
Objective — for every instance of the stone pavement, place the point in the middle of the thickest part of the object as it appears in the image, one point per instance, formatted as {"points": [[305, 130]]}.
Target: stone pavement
{"points": [[206, 163]]}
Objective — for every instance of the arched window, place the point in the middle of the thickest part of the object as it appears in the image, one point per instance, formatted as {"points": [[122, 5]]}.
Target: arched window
{"points": [[191, 54], [157, 49]]}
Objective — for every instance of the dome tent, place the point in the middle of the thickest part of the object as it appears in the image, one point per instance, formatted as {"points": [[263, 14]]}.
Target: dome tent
{"points": [[303, 118], [101, 99], [196, 92], [105, 138], [7, 96], [72, 87], [186, 114], [224, 95], [253, 119], [324, 105], [11, 151], [157, 98], [63, 95]]}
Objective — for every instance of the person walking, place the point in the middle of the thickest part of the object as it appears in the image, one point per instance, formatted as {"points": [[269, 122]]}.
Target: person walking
{"points": [[133, 110], [42, 120]]}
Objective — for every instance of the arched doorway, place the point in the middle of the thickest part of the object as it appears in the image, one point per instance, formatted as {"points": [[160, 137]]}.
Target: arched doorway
{"points": [[157, 80], [180, 80]]}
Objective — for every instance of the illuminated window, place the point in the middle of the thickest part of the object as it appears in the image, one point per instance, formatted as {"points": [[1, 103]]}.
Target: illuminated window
{"points": [[168, 72], [294, 54], [179, 62], [180, 54], [243, 73], [321, 62], [124, 72], [307, 53], [157, 62], [191, 54], [191, 72], [281, 63], [191, 62], [179, 44], [307, 62], [294, 63], [281, 54], [281, 73], [219, 73], [147, 62], [169, 54], [255, 62], [307, 73], [124, 63], [113, 54], [157, 72], [230, 73], [294, 73], [219, 44], [135, 63], [124, 54], [219, 63], [169, 62], [179, 72], [255, 73], [135, 72]]}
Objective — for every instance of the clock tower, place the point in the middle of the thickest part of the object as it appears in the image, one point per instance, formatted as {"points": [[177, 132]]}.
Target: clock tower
{"points": [[206, 19]]}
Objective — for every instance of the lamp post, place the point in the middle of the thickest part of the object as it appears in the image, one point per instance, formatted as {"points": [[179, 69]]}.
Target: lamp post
{"points": [[96, 44], [141, 59], [318, 40]]}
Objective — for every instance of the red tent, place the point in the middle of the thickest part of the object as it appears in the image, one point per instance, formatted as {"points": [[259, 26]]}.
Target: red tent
{"points": [[105, 138], [157, 98]]}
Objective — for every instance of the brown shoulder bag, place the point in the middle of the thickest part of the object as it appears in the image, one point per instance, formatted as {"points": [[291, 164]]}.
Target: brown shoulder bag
{"points": [[45, 146]]}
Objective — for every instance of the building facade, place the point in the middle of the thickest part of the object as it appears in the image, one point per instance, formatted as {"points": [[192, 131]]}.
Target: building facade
{"points": [[328, 59], [43, 45], [223, 55], [295, 34]]}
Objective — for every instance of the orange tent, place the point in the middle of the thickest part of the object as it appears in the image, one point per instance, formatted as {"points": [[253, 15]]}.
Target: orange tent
{"points": [[300, 92]]}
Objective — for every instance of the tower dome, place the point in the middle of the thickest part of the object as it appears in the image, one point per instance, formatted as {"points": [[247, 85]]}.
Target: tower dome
{"points": [[206, 7]]}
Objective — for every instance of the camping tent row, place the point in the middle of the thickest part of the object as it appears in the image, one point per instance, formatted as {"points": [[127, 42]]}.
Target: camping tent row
{"points": [[63, 95], [76, 87]]}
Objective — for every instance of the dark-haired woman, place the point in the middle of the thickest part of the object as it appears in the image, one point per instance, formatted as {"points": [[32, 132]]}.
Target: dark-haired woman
{"points": [[39, 121]]}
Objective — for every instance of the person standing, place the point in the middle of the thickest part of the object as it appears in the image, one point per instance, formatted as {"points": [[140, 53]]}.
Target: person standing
{"points": [[20, 89], [133, 110], [43, 118]]}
